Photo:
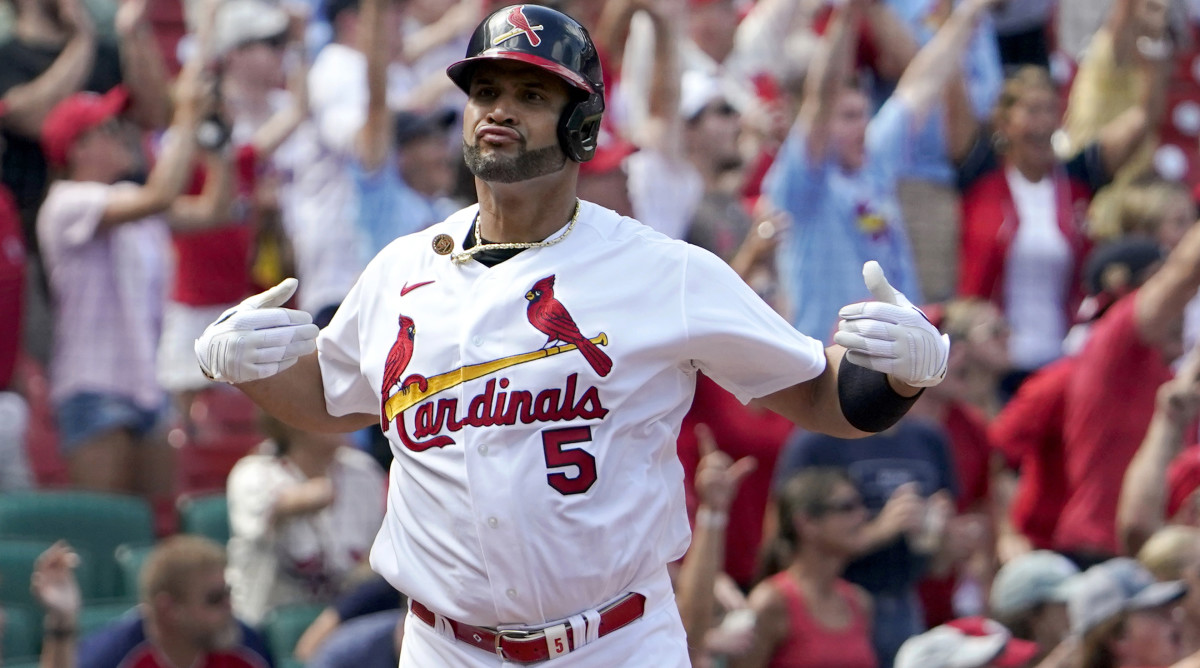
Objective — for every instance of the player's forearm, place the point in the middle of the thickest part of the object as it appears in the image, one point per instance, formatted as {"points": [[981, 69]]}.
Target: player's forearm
{"points": [[296, 396]]}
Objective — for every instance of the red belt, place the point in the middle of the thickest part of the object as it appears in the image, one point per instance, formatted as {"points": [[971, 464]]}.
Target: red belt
{"points": [[534, 646]]}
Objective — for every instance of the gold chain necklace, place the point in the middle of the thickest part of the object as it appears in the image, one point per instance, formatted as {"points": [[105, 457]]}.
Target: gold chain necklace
{"points": [[480, 246]]}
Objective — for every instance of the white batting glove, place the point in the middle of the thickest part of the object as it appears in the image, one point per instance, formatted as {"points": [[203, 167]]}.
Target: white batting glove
{"points": [[256, 338], [891, 335]]}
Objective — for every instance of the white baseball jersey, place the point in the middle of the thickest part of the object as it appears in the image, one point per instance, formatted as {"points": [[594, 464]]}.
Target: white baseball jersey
{"points": [[532, 479]]}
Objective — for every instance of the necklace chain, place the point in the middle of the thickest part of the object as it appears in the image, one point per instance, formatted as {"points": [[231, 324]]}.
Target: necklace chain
{"points": [[480, 246]]}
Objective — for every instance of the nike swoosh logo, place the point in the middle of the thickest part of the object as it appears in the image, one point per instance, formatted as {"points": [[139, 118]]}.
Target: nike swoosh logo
{"points": [[409, 288]]}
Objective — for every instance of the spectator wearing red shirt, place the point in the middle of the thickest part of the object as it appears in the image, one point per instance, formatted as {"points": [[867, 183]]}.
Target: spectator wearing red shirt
{"points": [[1111, 397], [213, 265], [1023, 242], [741, 431], [978, 356]]}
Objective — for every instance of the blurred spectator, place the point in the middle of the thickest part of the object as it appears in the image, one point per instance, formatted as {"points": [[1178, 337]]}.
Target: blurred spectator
{"points": [[973, 642], [1029, 597], [56, 37], [927, 192], [836, 175], [213, 265], [906, 478], [303, 513], [1173, 553], [320, 207], [14, 411], [1124, 616], [1029, 432], [717, 479], [436, 34], [805, 613], [978, 356], [1145, 503], [1021, 28], [403, 169], [1023, 237], [1155, 209], [1120, 62], [742, 431], [106, 254], [353, 631], [1131, 345], [184, 618], [979, 329]]}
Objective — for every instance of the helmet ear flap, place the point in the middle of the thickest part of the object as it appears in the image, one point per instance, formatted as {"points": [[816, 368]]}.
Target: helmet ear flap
{"points": [[579, 127]]}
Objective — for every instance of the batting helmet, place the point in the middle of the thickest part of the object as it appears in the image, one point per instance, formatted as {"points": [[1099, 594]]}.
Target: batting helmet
{"points": [[557, 43]]}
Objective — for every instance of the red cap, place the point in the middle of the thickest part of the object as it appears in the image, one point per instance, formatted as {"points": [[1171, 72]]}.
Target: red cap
{"points": [[1016, 652], [74, 116], [1183, 477]]}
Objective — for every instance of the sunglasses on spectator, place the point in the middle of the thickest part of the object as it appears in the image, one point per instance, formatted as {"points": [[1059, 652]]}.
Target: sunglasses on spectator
{"points": [[274, 41], [842, 507], [723, 109], [217, 596]]}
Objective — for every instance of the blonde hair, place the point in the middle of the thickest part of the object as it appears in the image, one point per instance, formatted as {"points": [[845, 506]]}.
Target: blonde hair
{"points": [[1167, 552], [1141, 207], [960, 316], [177, 561], [1015, 87]]}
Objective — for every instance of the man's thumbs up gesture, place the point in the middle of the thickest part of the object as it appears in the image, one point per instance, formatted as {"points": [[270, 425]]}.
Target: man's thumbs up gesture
{"points": [[257, 338], [891, 335]]}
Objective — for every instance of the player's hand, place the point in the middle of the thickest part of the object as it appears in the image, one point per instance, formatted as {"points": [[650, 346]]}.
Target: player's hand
{"points": [[891, 335], [256, 339]]}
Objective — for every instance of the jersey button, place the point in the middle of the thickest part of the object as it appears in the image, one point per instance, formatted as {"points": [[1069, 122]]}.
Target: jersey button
{"points": [[493, 522], [483, 449], [477, 340], [512, 593]]}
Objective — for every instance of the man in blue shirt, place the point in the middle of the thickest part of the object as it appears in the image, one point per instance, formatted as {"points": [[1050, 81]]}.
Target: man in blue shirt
{"points": [[836, 174]]}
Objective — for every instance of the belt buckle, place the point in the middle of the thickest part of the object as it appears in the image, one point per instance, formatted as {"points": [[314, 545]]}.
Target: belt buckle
{"points": [[512, 634]]}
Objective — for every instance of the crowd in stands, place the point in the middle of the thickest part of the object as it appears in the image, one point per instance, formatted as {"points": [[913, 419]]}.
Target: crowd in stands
{"points": [[1027, 170]]}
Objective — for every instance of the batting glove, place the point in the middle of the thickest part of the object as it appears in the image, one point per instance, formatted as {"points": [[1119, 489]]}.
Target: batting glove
{"points": [[256, 338], [891, 335]]}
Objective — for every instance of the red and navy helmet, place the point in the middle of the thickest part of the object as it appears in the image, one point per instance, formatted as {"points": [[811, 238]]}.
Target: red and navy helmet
{"points": [[554, 42]]}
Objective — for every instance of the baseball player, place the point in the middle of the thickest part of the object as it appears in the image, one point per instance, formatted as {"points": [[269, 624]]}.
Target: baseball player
{"points": [[531, 359]]}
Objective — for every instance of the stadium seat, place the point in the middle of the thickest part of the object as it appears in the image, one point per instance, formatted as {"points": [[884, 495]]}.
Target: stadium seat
{"points": [[94, 524], [130, 558], [284, 625], [21, 634], [205, 515]]}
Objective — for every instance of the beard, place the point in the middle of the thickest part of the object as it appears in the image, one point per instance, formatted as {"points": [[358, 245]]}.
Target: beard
{"points": [[521, 167]]}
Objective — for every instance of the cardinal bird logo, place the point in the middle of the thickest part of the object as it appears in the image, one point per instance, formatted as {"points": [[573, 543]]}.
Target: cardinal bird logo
{"points": [[516, 19], [397, 360], [550, 317]]}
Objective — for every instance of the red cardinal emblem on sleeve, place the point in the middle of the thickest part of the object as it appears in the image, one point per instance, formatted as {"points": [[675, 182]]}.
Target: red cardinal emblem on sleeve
{"points": [[516, 19]]}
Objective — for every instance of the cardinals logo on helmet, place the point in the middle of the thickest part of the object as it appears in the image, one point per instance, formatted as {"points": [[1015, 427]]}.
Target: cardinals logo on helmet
{"points": [[516, 19]]}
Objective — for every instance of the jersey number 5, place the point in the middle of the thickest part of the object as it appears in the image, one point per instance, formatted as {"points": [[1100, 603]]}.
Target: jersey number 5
{"points": [[559, 457]]}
